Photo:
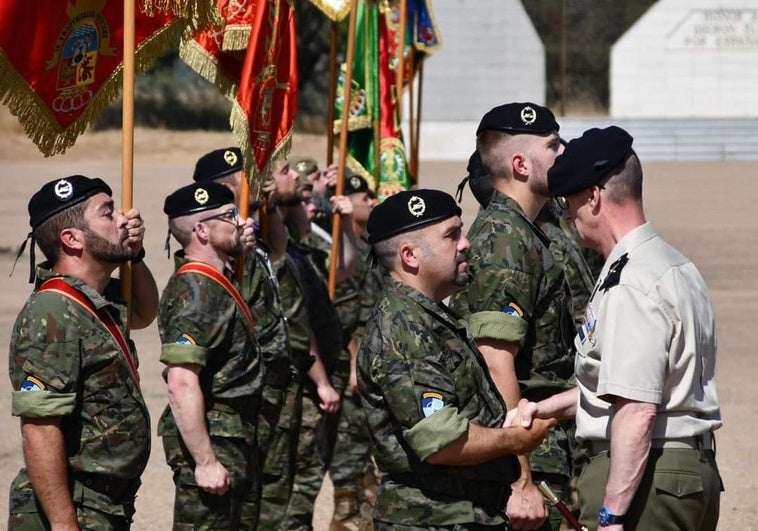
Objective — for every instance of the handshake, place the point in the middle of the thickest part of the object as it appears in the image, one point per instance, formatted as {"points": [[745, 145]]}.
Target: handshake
{"points": [[522, 415]]}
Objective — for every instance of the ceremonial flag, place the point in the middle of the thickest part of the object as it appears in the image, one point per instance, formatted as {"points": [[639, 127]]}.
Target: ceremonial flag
{"points": [[336, 10], [263, 112], [373, 115], [60, 62], [422, 28], [260, 80]]}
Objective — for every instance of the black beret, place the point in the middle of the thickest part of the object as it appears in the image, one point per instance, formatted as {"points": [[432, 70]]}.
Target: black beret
{"points": [[409, 210], [475, 167], [218, 163], [515, 118], [589, 159], [197, 197], [61, 194], [355, 184]]}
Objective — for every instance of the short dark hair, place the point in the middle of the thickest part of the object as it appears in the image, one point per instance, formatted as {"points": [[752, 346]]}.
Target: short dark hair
{"points": [[625, 183], [47, 234]]}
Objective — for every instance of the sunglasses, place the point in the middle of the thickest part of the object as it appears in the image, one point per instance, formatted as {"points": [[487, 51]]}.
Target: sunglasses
{"points": [[229, 215]]}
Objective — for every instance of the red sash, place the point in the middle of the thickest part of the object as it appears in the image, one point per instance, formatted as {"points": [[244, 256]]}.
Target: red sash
{"points": [[208, 271], [62, 287]]}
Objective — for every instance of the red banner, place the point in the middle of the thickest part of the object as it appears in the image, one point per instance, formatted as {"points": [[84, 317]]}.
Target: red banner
{"points": [[263, 114], [60, 62], [261, 81]]}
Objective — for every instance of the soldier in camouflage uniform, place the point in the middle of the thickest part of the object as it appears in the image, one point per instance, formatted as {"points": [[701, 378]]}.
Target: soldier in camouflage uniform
{"points": [[351, 469], [260, 288], [85, 425], [518, 304], [434, 413], [309, 252], [214, 372]]}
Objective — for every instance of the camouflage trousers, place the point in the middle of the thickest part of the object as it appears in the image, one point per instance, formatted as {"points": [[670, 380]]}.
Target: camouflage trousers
{"points": [[279, 466], [312, 454], [93, 510], [351, 470], [199, 510]]}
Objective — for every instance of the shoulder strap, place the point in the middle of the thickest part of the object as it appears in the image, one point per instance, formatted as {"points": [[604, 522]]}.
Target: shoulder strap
{"points": [[102, 315], [208, 271]]}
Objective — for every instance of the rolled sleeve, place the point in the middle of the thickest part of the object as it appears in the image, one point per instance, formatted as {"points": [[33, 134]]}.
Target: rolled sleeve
{"points": [[497, 325], [41, 404], [436, 431], [183, 354]]}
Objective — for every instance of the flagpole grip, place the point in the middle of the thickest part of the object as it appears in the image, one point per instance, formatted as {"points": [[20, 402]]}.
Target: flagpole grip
{"points": [[244, 210], [336, 222], [127, 136]]}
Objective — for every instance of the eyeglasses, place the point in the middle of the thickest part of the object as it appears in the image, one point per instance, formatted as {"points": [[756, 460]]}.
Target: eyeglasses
{"points": [[229, 215]]}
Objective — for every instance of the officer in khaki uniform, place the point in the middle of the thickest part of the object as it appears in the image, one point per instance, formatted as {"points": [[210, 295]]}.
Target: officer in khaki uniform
{"points": [[646, 403], [214, 373], [434, 413], [85, 425]]}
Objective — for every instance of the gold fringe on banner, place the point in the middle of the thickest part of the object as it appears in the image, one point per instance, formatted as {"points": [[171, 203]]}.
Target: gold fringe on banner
{"points": [[38, 122], [236, 37], [206, 65], [335, 10], [241, 129], [197, 13]]}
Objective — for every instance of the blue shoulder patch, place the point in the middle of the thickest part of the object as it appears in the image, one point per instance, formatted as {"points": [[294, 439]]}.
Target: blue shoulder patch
{"points": [[185, 339], [513, 309], [431, 403], [30, 383]]}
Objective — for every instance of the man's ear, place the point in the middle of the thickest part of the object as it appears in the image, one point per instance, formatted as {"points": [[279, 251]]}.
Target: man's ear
{"points": [[520, 165], [408, 256], [201, 230], [72, 238]]}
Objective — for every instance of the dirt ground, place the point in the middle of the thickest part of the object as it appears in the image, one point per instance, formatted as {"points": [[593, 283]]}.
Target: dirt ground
{"points": [[704, 209]]}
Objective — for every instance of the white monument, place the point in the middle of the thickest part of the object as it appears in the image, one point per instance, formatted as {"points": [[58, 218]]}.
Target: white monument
{"points": [[490, 54], [688, 59]]}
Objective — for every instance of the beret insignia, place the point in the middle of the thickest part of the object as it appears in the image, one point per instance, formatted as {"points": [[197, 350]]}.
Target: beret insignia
{"points": [[416, 206], [201, 196]]}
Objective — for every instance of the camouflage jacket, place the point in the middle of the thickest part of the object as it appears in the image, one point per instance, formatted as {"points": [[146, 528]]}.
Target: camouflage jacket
{"points": [[201, 324], [355, 297], [518, 293], [422, 380], [568, 253], [260, 288], [64, 363]]}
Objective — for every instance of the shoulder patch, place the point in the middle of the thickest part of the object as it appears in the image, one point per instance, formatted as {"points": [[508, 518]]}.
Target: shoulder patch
{"points": [[185, 339], [431, 403], [614, 273], [30, 383], [514, 310]]}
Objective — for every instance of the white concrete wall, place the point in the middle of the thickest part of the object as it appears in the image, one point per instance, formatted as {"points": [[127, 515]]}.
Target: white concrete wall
{"points": [[490, 54], [688, 58]]}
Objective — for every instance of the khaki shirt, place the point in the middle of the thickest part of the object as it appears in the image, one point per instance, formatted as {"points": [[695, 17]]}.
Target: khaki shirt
{"points": [[648, 335]]}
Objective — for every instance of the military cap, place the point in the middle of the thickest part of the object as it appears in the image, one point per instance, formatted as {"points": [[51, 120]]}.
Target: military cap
{"points": [[60, 194], [409, 210], [197, 197], [355, 184], [519, 118], [218, 163], [304, 166], [589, 159]]}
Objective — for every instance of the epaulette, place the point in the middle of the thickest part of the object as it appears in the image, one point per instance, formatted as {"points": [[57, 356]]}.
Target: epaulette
{"points": [[614, 273]]}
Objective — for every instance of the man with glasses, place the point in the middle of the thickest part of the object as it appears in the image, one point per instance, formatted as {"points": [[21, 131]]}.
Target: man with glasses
{"points": [[518, 302], [646, 402], [213, 373]]}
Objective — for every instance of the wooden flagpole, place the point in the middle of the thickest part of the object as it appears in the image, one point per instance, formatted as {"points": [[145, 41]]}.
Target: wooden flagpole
{"points": [[417, 135], [333, 72], [412, 118], [244, 210], [336, 225], [403, 6], [127, 137]]}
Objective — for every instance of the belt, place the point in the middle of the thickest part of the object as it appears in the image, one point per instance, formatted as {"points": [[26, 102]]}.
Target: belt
{"points": [[701, 443]]}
